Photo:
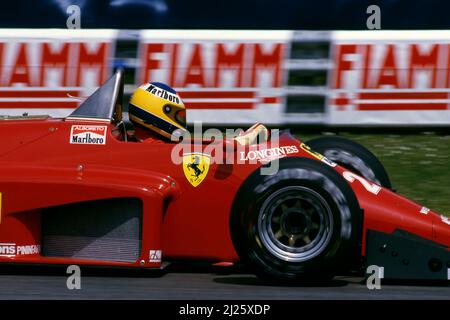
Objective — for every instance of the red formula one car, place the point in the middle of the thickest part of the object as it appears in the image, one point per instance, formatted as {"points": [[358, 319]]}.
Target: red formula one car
{"points": [[78, 190]]}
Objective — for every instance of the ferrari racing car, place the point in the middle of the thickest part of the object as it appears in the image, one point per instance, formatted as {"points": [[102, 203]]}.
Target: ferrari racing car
{"points": [[79, 190]]}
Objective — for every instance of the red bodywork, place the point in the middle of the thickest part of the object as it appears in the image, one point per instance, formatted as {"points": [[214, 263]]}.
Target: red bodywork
{"points": [[41, 168]]}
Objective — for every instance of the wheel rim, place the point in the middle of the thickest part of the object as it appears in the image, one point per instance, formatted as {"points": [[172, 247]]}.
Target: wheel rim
{"points": [[295, 223]]}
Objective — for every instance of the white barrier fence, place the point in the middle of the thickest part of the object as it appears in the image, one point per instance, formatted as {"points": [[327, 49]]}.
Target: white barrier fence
{"points": [[239, 77]]}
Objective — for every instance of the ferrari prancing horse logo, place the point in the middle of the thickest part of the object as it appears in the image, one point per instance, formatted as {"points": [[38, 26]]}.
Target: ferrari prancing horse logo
{"points": [[195, 167]]}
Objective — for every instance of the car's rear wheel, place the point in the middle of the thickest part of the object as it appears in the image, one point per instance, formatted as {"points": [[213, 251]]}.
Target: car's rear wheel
{"points": [[352, 156], [302, 223]]}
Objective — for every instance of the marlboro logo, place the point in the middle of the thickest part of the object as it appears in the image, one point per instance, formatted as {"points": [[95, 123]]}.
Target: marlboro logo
{"points": [[81, 134]]}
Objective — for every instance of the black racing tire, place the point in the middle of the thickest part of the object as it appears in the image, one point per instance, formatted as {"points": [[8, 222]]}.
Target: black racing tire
{"points": [[352, 156], [304, 198]]}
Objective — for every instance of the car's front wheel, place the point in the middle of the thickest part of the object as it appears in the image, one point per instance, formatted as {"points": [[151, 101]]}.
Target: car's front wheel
{"points": [[302, 223]]}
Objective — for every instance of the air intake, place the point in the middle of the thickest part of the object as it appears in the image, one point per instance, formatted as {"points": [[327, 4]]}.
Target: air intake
{"points": [[108, 230]]}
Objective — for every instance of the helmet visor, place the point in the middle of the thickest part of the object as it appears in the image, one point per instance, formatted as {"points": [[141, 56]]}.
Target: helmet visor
{"points": [[180, 117]]}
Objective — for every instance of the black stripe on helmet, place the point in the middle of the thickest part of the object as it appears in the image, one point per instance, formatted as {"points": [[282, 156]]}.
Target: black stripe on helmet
{"points": [[149, 118]]}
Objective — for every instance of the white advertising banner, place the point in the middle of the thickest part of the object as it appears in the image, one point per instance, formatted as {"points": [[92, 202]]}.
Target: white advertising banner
{"points": [[239, 77], [224, 77], [389, 78], [46, 71]]}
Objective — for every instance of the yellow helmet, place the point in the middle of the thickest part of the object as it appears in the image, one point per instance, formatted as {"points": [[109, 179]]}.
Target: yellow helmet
{"points": [[158, 107]]}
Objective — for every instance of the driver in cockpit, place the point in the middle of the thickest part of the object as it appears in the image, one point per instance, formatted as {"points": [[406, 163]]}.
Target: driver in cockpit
{"points": [[158, 107]]}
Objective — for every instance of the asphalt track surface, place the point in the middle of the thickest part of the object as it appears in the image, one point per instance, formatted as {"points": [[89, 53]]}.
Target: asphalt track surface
{"points": [[183, 283]]}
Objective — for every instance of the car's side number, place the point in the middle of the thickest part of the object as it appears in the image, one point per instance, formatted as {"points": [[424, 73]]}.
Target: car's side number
{"points": [[369, 186]]}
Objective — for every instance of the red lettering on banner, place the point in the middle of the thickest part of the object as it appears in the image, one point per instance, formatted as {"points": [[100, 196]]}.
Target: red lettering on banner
{"points": [[173, 64], [194, 72], [226, 59], [342, 64], [20, 72], [388, 71], [423, 61], [149, 63], [52, 59], [267, 60], [447, 71], [420, 58], [95, 59], [195, 69], [366, 68]]}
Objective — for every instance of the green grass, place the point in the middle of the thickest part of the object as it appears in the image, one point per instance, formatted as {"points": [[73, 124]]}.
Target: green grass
{"points": [[418, 164]]}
